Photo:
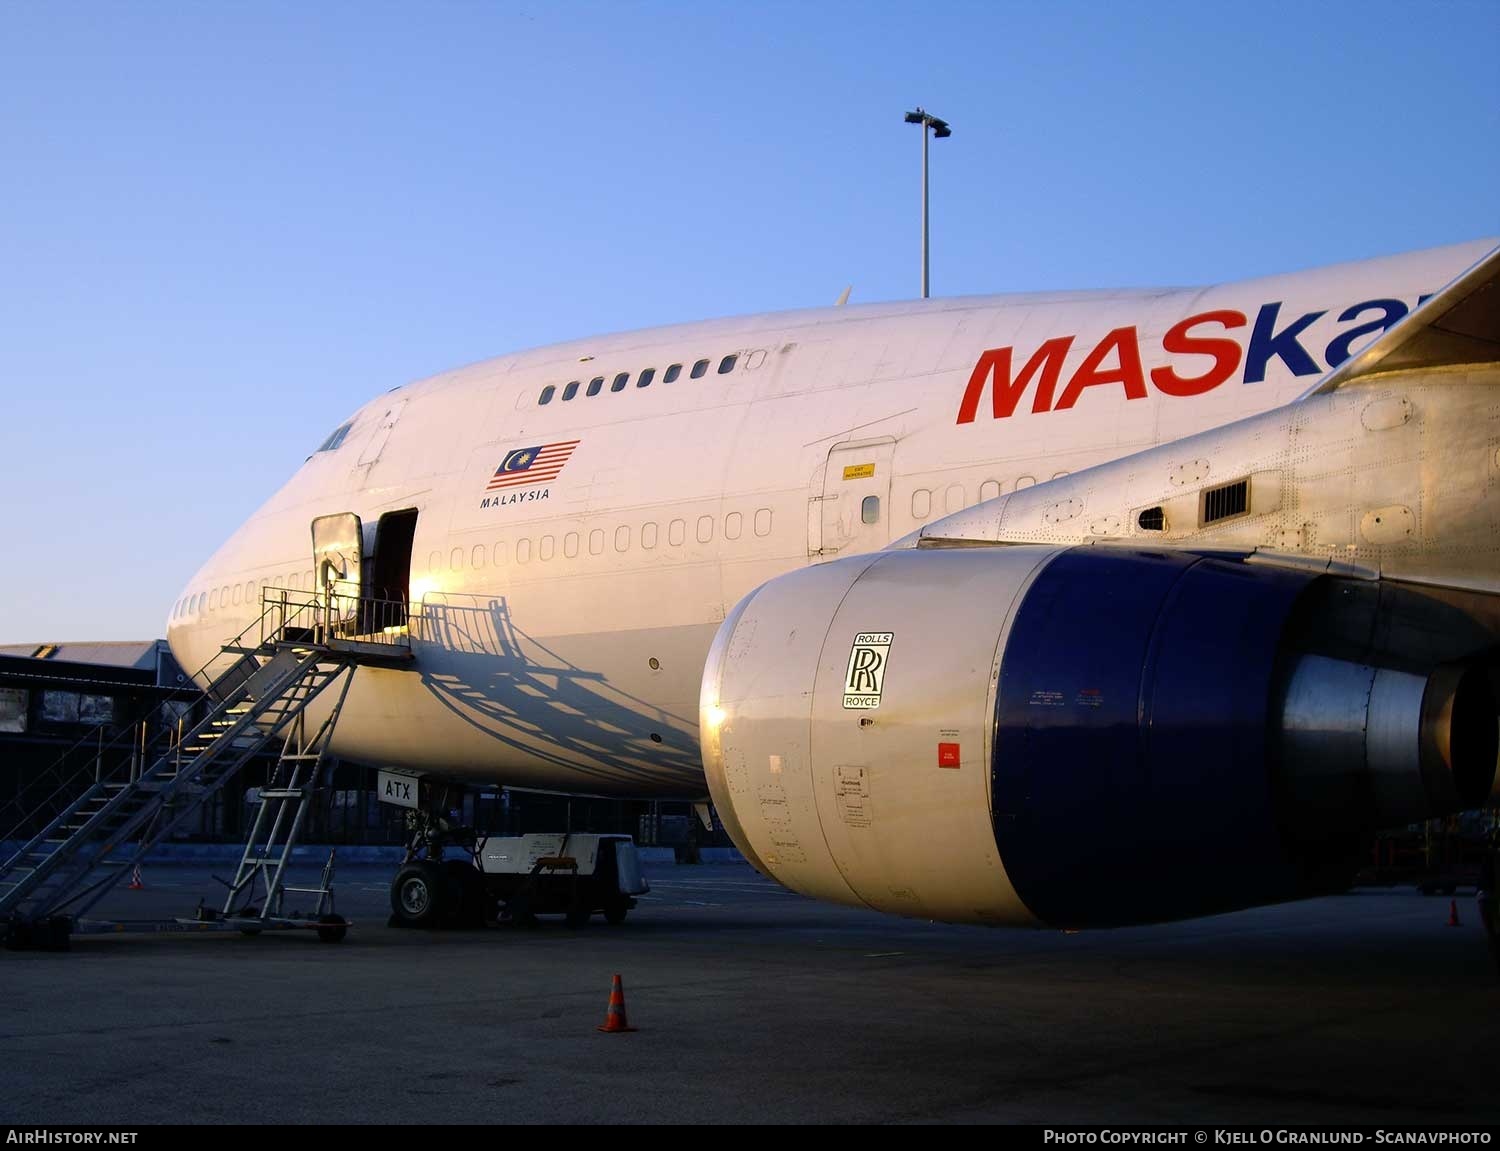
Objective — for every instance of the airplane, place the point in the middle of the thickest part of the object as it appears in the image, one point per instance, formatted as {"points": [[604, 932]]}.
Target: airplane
{"points": [[1074, 609]]}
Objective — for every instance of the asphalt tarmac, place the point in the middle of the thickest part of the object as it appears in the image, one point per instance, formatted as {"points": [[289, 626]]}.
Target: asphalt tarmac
{"points": [[756, 1005]]}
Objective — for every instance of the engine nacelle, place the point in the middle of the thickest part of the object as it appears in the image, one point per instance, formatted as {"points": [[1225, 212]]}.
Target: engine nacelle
{"points": [[1089, 736]]}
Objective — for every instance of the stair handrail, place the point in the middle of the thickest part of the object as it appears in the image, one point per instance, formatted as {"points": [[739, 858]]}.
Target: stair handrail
{"points": [[325, 614], [133, 734]]}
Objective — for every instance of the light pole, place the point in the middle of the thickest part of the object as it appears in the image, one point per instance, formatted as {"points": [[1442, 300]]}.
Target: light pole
{"points": [[941, 131]]}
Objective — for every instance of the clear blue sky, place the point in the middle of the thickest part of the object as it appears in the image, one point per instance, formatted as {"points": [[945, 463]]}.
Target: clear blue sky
{"points": [[224, 226]]}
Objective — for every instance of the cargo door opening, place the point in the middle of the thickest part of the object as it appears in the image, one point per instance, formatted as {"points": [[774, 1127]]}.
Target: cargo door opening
{"points": [[389, 570]]}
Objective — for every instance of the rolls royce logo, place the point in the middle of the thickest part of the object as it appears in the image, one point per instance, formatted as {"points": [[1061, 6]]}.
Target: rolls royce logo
{"points": [[864, 679]]}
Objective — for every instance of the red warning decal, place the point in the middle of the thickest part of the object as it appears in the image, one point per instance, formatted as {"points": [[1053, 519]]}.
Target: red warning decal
{"points": [[948, 755]]}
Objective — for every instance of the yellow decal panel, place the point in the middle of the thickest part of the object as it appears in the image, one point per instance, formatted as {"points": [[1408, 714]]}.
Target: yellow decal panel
{"points": [[859, 471]]}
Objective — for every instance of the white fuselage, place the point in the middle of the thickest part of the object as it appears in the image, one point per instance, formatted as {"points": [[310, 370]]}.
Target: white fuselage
{"points": [[569, 597]]}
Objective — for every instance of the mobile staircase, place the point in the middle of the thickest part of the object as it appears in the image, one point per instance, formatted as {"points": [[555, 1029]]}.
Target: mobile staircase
{"points": [[94, 816]]}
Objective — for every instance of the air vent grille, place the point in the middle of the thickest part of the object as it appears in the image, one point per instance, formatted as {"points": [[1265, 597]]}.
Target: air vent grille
{"points": [[1152, 520], [1226, 501]]}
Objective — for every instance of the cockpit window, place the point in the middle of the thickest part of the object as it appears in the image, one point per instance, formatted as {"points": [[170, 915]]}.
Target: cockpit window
{"points": [[338, 436]]}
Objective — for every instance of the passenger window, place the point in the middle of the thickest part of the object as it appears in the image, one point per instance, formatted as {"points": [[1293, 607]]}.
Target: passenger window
{"points": [[671, 374], [571, 390], [596, 542], [547, 393], [734, 523], [699, 369], [213, 599], [435, 561], [705, 529], [238, 592], [622, 538], [620, 381], [989, 490], [726, 365], [953, 498], [570, 544], [477, 556], [548, 548], [921, 504], [763, 522], [500, 550], [456, 559], [644, 381], [1058, 475], [648, 535], [1025, 482], [594, 385], [293, 582], [676, 532], [869, 510], [523, 551], [224, 596]]}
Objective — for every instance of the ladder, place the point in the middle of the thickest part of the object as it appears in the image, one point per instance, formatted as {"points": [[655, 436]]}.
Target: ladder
{"points": [[70, 849]]}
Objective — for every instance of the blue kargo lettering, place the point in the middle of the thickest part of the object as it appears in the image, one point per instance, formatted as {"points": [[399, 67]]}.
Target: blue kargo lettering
{"points": [[1267, 343], [1391, 311]]}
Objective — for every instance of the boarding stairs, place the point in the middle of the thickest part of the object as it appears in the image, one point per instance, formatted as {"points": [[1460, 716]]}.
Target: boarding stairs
{"points": [[99, 821]]}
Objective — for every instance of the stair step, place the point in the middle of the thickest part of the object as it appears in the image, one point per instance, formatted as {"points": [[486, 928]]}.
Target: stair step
{"points": [[282, 793]]}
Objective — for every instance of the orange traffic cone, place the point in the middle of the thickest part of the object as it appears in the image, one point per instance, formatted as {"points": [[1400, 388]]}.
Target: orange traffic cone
{"points": [[135, 883], [614, 1019], [1453, 913]]}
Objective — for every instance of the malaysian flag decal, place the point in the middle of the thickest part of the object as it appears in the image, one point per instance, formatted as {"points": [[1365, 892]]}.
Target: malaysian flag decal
{"points": [[531, 465]]}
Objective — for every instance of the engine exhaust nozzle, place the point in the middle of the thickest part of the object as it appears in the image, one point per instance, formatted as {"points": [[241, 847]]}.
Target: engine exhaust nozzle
{"points": [[1373, 747]]}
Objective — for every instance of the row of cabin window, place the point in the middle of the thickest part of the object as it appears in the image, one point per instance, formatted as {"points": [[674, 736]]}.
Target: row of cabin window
{"points": [[953, 495], [622, 381], [231, 594], [546, 548]]}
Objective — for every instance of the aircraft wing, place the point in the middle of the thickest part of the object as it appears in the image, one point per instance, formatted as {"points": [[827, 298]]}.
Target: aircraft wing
{"points": [[1459, 325]]}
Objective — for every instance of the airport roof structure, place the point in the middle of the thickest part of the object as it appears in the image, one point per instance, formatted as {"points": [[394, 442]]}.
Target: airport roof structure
{"points": [[140, 654]]}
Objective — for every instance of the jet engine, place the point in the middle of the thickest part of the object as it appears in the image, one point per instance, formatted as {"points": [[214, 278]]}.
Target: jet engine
{"points": [[1087, 736]]}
